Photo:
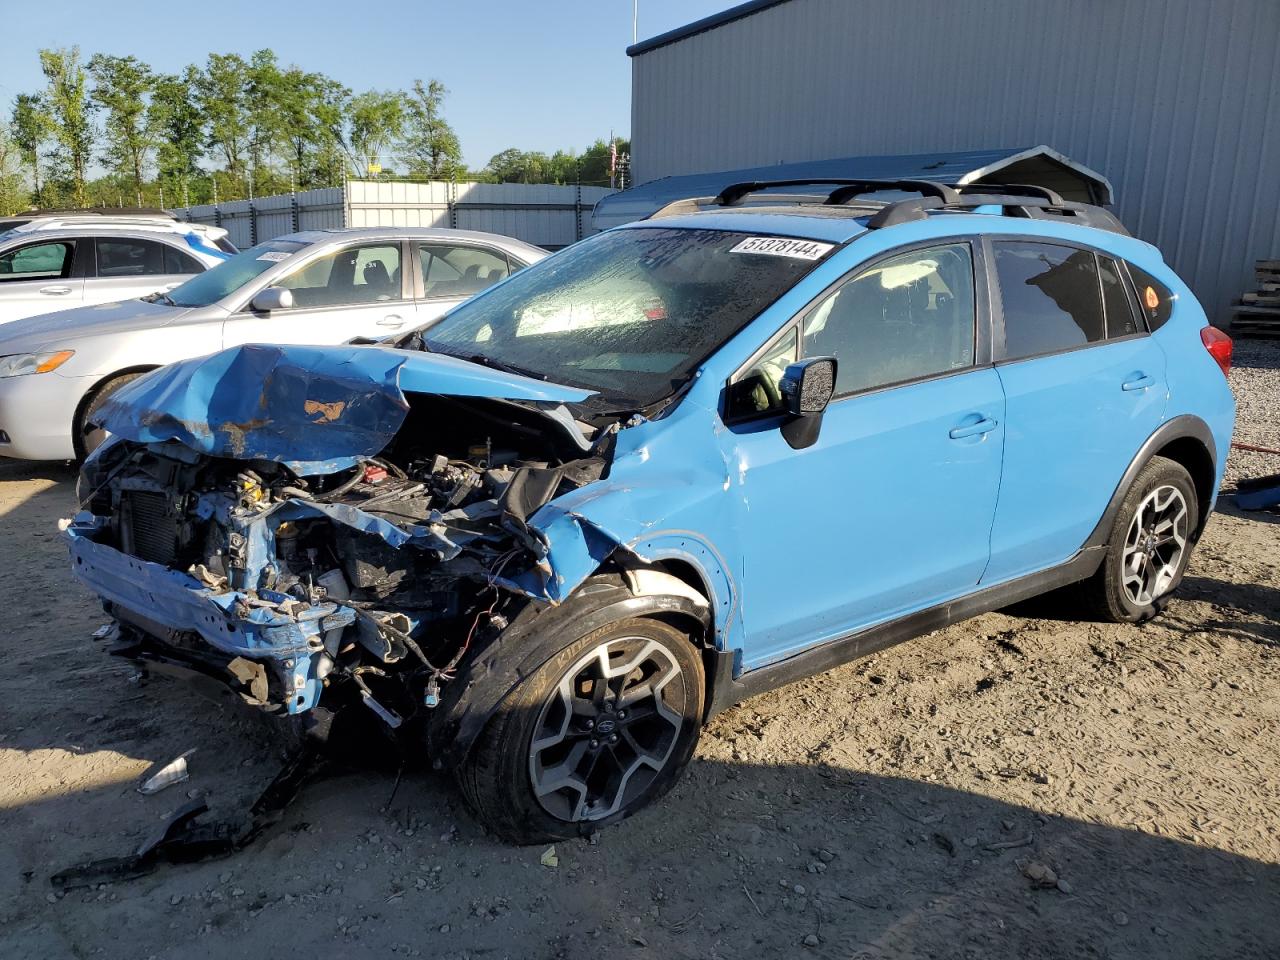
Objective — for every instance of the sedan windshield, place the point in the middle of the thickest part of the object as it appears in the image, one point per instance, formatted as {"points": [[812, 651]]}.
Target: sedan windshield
{"points": [[630, 313], [230, 275]]}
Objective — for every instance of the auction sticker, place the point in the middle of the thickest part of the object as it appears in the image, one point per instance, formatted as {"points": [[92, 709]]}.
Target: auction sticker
{"points": [[783, 247]]}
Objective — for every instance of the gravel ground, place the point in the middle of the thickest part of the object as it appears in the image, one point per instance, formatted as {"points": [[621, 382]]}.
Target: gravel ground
{"points": [[1015, 786]]}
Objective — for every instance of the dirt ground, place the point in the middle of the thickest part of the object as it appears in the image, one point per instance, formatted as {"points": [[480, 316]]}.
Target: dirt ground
{"points": [[891, 808]]}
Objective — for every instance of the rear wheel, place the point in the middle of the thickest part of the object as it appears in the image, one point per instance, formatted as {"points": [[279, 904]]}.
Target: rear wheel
{"points": [[84, 440], [1150, 545], [600, 730]]}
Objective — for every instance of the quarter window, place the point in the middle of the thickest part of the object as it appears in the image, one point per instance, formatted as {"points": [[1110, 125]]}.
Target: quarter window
{"points": [[1156, 299], [38, 261], [175, 261], [1051, 296], [352, 276], [1121, 321], [904, 318]]}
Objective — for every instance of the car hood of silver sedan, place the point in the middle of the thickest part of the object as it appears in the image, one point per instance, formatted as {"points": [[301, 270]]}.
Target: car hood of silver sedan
{"points": [[32, 334]]}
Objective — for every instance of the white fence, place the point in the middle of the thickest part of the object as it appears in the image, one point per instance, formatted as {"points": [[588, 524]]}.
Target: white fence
{"points": [[547, 215]]}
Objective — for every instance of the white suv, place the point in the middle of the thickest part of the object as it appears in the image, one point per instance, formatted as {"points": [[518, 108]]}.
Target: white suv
{"points": [[52, 262]]}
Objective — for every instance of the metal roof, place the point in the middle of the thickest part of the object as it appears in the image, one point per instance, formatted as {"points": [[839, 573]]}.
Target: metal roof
{"points": [[702, 26], [967, 166]]}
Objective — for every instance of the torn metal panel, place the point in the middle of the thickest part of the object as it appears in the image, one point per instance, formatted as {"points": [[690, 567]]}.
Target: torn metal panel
{"points": [[316, 409]]}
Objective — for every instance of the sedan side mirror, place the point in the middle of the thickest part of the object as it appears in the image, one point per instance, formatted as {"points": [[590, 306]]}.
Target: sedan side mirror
{"points": [[806, 387], [272, 298]]}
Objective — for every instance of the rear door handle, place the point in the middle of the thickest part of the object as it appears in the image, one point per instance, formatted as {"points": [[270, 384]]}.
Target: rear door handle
{"points": [[55, 291], [1140, 381], [985, 425], [392, 320]]}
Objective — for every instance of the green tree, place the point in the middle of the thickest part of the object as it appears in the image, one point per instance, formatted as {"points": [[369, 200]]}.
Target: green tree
{"points": [[310, 108], [121, 86], [177, 125], [31, 129], [595, 161], [519, 166], [220, 90], [67, 101], [377, 120], [430, 147], [13, 195]]}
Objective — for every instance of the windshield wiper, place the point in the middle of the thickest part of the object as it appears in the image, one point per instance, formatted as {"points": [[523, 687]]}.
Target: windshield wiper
{"points": [[160, 295], [487, 361]]}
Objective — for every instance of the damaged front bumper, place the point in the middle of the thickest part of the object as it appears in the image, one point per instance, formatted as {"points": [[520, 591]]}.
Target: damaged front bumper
{"points": [[274, 658]]}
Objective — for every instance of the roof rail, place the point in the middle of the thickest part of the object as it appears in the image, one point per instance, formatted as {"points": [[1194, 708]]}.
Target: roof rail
{"points": [[139, 212], [1036, 208], [1014, 189], [735, 193]]}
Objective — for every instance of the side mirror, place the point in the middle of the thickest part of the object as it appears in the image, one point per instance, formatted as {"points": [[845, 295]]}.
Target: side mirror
{"points": [[272, 298], [806, 387]]}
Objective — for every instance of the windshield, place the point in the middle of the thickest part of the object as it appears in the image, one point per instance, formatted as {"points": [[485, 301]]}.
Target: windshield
{"points": [[230, 275], [630, 313]]}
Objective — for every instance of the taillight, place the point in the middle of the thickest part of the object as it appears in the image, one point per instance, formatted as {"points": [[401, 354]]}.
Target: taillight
{"points": [[1219, 346]]}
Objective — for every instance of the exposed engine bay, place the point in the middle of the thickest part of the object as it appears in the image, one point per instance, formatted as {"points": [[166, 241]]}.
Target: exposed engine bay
{"points": [[367, 584]]}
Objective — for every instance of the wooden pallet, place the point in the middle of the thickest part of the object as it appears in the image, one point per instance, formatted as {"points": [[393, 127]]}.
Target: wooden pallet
{"points": [[1257, 313]]}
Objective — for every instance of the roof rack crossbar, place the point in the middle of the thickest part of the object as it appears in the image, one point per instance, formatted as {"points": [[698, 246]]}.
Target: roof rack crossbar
{"points": [[735, 193], [1014, 189], [917, 208]]}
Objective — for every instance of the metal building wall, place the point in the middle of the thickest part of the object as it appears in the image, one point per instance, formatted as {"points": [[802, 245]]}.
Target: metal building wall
{"points": [[1176, 101]]}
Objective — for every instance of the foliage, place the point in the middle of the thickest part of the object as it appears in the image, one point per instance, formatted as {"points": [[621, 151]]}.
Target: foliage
{"points": [[430, 148], [66, 101], [234, 127], [121, 86]]}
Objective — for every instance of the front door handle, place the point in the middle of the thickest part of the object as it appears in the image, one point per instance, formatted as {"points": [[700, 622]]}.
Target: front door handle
{"points": [[1137, 381], [55, 291], [985, 425], [392, 320]]}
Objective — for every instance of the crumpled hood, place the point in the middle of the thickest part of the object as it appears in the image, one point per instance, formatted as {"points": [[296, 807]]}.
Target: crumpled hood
{"points": [[314, 409], [29, 334]]}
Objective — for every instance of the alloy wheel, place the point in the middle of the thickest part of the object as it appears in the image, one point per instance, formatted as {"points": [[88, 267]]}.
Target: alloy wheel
{"points": [[1155, 545], [607, 730]]}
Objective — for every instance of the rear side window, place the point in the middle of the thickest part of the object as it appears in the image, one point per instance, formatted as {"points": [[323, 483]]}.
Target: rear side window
{"points": [[1052, 298], [1121, 319], [1155, 298], [38, 261]]}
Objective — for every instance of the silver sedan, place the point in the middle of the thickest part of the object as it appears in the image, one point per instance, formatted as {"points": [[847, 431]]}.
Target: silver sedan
{"points": [[320, 287]]}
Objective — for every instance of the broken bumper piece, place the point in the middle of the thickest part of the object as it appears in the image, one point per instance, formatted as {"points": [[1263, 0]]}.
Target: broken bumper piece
{"points": [[251, 632]]}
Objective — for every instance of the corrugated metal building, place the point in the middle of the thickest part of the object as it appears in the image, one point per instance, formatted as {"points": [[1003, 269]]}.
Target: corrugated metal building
{"points": [[1176, 102]]}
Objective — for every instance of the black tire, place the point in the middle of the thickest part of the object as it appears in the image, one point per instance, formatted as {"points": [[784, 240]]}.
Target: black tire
{"points": [[497, 776], [84, 444], [1105, 594]]}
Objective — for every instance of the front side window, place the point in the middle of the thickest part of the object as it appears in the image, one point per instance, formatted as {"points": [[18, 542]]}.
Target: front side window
{"points": [[453, 271], [38, 261], [755, 390], [1156, 299], [230, 275], [904, 318], [630, 313], [125, 257], [1051, 298], [351, 276]]}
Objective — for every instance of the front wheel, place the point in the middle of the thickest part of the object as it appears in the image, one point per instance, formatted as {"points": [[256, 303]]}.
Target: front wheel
{"points": [[85, 440], [601, 729], [1150, 545]]}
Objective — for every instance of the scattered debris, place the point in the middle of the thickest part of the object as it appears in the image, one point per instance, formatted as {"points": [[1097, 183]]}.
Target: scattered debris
{"points": [[175, 771], [549, 858], [1040, 874]]}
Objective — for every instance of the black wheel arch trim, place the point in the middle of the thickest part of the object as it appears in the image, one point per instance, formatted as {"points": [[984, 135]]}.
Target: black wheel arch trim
{"points": [[490, 675], [1185, 426]]}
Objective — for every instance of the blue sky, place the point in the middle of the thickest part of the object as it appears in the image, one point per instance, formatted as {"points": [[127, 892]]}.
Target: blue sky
{"points": [[534, 74]]}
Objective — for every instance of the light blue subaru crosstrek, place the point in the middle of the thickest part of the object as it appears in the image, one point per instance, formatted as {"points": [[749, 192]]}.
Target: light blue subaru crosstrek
{"points": [[679, 463]]}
